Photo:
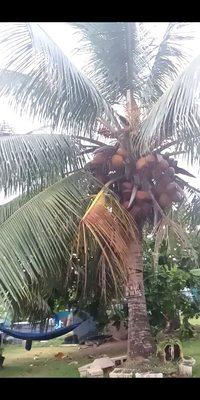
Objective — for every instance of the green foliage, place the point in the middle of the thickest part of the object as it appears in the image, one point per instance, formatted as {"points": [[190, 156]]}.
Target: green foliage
{"points": [[38, 230], [165, 299]]}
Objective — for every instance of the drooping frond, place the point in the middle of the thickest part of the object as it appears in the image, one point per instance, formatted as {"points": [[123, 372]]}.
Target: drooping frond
{"points": [[7, 209], [192, 211], [112, 228], [53, 90], [169, 230], [35, 240], [29, 162], [173, 54], [55, 233], [175, 116]]}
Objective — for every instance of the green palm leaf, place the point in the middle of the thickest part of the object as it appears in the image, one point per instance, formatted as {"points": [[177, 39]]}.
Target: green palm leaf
{"points": [[29, 162], [173, 54], [118, 56], [35, 239], [54, 90], [175, 116], [38, 239]]}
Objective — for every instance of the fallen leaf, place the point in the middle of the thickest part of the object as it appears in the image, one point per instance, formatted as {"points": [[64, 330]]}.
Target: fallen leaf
{"points": [[59, 355]]}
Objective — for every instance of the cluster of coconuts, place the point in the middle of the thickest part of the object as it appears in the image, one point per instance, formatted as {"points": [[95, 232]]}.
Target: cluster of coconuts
{"points": [[159, 173], [153, 170], [107, 159]]}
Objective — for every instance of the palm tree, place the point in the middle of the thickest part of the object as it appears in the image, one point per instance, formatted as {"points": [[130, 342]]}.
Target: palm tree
{"points": [[81, 216]]}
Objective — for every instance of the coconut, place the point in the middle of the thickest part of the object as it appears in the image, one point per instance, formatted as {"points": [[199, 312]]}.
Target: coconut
{"points": [[117, 161], [171, 187], [99, 159], [160, 188], [164, 179], [163, 164], [127, 185], [150, 158], [171, 172], [126, 194], [141, 195], [146, 208], [176, 196], [164, 200], [141, 163], [157, 172], [122, 152]]}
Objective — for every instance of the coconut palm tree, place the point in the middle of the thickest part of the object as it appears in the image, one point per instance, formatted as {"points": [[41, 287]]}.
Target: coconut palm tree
{"points": [[88, 192]]}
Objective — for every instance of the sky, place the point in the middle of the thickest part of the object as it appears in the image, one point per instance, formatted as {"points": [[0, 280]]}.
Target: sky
{"points": [[67, 39]]}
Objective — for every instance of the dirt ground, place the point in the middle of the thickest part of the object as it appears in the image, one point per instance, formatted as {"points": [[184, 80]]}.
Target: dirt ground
{"points": [[110, 348]]}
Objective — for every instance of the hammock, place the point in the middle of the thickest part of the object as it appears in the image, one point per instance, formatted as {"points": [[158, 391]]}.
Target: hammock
{"points": [[39, 335]]}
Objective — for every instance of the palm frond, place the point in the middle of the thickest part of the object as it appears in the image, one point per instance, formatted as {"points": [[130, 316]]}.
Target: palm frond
{"points": [[192, 210], [112, 228], [52, 90], [173, 54], [118, 56], [169, 230], [29, 162], [175, 116], [55, 234], [35, 240]]}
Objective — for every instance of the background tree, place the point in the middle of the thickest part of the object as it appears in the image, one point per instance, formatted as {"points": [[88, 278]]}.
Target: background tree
{"points": [[63, 217]]}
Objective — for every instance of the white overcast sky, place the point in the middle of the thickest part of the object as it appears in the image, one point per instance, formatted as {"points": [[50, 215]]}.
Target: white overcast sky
{"points": [[64, 35]]}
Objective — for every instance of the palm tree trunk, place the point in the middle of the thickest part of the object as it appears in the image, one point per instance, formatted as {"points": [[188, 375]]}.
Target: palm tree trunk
{"points": [[140, 341]]}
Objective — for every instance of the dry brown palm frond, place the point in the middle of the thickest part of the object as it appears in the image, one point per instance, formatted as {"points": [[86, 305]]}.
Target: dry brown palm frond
{"points": [[112, 228]]}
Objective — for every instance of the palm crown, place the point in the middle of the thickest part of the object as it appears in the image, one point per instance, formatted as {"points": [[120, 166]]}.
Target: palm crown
{"points": [[63, 221]]}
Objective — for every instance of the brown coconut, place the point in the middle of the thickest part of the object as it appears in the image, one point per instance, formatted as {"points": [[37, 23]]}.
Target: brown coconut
{"points": [[171, 172], [163, 164], [150, 159], [141, 195], [160, 188], [164, 200], [122, 152], [141, 163], [127, 185], [157, 172], [117, 161], [146, 208], [126, 194], [171, 187], [99, 159], [164, 180], [176, 196]]}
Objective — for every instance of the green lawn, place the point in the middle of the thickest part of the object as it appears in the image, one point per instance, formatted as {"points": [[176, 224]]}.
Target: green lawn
{"points": [[21, 363]]}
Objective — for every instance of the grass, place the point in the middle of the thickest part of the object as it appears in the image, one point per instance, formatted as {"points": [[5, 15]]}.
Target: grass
{"points": [[192, 348], [21, 363]]}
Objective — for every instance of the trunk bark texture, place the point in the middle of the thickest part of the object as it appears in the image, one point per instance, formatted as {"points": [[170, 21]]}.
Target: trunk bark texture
{"points": [[140, 341]]}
